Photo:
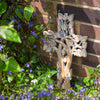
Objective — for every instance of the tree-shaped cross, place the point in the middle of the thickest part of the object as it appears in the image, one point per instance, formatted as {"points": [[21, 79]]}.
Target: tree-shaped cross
{"points": [[66, 44]]}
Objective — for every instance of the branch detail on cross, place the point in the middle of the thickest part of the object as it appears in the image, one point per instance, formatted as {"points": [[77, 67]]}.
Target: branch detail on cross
{"points": [[66, 44]]}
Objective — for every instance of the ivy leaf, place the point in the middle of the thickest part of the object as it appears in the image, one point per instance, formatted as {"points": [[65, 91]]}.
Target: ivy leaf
{"points": [[86, 80], [3, 7], [12, 65], [38, 27], [10, 78], [90, 70], [51, 24], [28, 12], [47, 9], [34, 59], [18, 13], [9, 33]]}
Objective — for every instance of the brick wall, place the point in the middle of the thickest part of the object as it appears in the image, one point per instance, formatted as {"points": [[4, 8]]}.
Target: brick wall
{"points": [[87, 23]]}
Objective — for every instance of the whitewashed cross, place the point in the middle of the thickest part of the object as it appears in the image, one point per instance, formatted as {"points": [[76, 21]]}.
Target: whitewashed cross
{"points": [[66, 44]]}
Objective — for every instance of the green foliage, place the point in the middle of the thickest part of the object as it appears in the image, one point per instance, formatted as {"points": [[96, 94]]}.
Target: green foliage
{"points": [[12, 65], [28, 12], [38, 27], [18, 13], [9, 33], [3, 7]]}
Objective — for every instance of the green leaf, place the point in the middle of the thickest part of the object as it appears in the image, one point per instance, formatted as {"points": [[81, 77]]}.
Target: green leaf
{"points": [[31, 39], [28, 12], [85, 80], [18, 13], [10, 78], [9, 33], [92, 81], [3, 7], [47, 9], [34, 59], [31, 76], [51, 24], [38, 27], [12, 65], [90, 70]]}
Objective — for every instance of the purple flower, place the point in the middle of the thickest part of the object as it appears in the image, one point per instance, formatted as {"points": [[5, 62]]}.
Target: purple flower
{"points": [[64, 97], [68, 91], [17, 98], [1, 47], [49, 63], [95, 81], [22, 69], [93, 99], [42, 28], [22, 97], [9, 72], [30, 25], [86, 97], [31, 95], [50, 21], [21, 10], [43, 8], [30, 70], [44, 41], [27, 65], [19, 26], [34, 14], [98, 96], [0, 40], [50, 86], [82, 90], [33, 33], [38, 54], [48, 94], [80, 95], [55, 16], [34, 46], [44, 92]]}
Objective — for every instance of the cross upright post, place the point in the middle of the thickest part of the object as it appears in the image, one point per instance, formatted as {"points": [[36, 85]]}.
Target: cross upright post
{"points": [[66, 44]]}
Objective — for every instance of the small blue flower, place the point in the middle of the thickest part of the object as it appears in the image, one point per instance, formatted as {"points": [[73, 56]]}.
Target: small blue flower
{"points": [[55, 16], [30, 70], [0, 40], [50, 86], [38, 54], [95, 81], [9, 72], [34, 46], [21, 10], [86, 97], [17, 98], [30, 25], [82, 90], [27, 65], [33, 33], [42, 28], [93, 99], [49, 63], [98, 96], [1, 47], [34, 14], [43, 8], [48, 94], [22, 69], [50, 21], [19, 26]]}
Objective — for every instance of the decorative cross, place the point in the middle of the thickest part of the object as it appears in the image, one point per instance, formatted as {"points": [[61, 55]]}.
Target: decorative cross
{"points": [[66, 44]]}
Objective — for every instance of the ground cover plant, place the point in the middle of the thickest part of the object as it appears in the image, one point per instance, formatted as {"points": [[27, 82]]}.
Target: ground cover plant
{"points": [[23, 75]]}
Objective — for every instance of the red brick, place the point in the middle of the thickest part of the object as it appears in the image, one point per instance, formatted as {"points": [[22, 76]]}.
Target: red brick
{"points": [[81, 14], [80, 70], [95, 3], [90, 31], [93, 47], [90, 60]]}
